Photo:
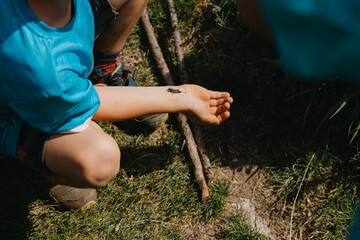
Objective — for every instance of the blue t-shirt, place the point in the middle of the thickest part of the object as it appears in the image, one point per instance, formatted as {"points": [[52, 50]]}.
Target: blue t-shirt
{"points": [[43, 72], [316, 38]]}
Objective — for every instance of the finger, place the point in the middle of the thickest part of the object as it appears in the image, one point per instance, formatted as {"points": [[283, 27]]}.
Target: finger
{"points": [[223, 116], [215, 120], [215, 94], [217, 102], [230, 100], [220, 109], [210, 120], [220, 101]]}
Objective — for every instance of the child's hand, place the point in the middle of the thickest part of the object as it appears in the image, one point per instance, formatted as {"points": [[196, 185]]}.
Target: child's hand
{"points": [[207, 107]]}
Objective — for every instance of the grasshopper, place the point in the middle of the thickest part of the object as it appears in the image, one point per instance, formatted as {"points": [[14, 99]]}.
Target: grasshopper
{"points": [[174, 90]]}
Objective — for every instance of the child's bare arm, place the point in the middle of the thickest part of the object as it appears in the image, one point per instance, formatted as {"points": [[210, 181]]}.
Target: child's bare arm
{"points": [[199, 104]]}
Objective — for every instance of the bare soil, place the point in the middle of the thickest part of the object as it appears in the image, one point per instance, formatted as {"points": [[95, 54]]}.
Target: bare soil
{"points": [[255, 199]]}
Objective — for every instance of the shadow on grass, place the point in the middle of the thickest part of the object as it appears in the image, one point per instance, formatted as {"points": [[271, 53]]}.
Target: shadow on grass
{"points": [[142, 161], [16, 194], [273, 113], [278, 122]]}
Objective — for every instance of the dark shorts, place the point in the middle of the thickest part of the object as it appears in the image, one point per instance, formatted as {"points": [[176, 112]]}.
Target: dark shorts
{"points": [[104, 14], [30, 148]]}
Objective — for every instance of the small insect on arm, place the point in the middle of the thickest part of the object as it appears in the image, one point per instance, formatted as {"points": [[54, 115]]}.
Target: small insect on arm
{"points": [[175, 90]]}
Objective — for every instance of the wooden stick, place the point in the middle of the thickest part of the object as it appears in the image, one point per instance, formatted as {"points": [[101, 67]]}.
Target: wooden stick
{"points": [[184, 79], [181, 118]]}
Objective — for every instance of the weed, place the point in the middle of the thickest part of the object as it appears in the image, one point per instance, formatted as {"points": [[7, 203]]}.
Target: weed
{"points": [[234, 227]]}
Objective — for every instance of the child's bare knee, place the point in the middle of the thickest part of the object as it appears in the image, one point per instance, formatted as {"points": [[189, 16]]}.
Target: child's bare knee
{"points": [[102, 163]]}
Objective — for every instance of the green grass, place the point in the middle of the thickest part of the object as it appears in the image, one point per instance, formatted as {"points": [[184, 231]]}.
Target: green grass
{"points": [[288, 119], [284, 120], [235, 228], [328, 195], [152, 198]]}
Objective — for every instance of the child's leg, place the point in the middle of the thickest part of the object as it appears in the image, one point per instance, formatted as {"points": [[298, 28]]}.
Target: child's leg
{"points": [[86, 159], [114, 36], [114, 20]]}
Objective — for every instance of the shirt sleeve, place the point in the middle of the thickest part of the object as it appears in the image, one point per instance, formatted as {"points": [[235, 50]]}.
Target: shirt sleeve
{"points": [[62, 112], [316, 38], [44, 81]]}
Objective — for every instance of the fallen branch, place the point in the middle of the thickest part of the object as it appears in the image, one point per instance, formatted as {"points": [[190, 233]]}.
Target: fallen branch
{"points": [[181, 118], [184, 79]]}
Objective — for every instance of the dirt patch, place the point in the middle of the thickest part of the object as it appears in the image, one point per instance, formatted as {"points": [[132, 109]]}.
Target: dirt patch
{"points": [[253, 198], [202, 231], [131, 55]]}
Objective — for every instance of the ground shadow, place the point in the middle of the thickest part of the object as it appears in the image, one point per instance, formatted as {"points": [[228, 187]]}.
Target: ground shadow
{"points": [[17, 192], [275, 118], [273, 112], [142, 161]]}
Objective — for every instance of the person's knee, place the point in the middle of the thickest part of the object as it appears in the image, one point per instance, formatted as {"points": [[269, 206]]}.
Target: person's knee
{"points": [[101, 163]]}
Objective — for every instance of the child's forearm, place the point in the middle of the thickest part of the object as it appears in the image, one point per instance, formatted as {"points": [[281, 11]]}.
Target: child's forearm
{"points": [[199, 104], [123, 103]]}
